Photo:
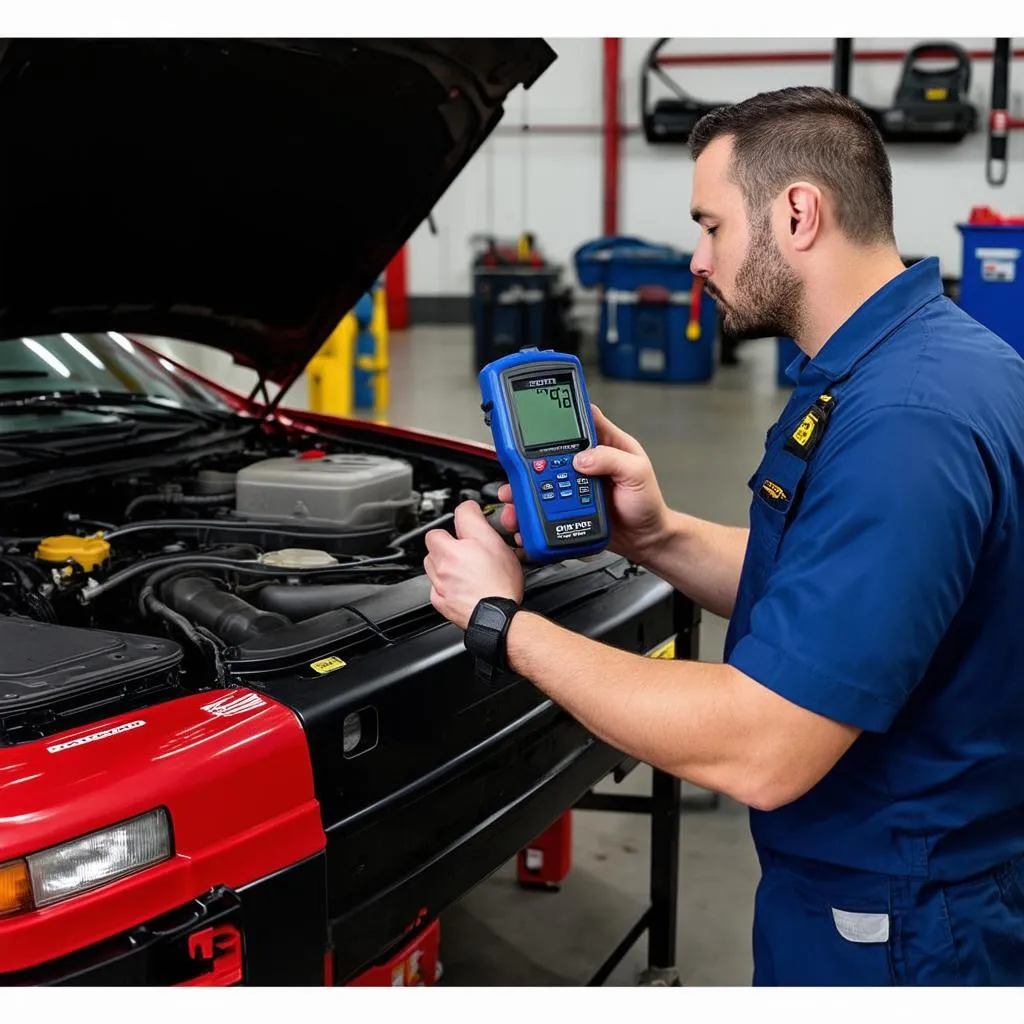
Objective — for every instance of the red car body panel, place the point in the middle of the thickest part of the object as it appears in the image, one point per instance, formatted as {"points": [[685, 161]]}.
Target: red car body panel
{"points": [[311, 422], [232, 768]]}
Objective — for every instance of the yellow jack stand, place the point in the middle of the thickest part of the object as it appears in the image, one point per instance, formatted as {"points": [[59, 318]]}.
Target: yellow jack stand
{"points": [[329, 373]]}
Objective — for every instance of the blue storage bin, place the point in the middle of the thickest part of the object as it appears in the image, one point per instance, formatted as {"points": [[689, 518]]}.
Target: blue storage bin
{"points": [[786, 350], [510, 309], [992, 278], [645, 312]]}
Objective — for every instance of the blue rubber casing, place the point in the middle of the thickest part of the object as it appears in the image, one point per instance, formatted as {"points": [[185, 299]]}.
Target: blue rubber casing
{"points": [[561, 513]]}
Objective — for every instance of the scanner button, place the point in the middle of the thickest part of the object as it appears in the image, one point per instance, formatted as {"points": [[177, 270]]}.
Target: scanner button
{"points": [[562, 476], [539, 465], [585, 489], [582, 480], [548, 496], [585, 500], [547, 486]]}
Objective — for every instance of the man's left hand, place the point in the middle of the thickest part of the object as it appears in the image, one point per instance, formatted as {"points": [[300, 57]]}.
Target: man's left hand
{"points": [[475, 564]]}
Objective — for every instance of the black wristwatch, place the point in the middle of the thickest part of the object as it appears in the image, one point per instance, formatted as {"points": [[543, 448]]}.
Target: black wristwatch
{"points": [[486, 634]]}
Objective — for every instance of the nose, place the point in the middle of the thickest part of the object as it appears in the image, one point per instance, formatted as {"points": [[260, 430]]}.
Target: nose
{"points": [[700, 262]]}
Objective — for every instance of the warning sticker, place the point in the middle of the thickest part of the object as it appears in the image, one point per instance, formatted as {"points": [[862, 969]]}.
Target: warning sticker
{"points": [[326, 665], [998, 265]]}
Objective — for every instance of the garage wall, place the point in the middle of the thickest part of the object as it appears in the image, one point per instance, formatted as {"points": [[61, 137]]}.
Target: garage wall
{"points": [[552, 185]]}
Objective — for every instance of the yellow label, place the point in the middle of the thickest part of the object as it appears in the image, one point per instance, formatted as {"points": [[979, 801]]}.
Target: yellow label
{"points": [[665, 650], [936, 94], [325, 665], [803, 433], [773, 490]]}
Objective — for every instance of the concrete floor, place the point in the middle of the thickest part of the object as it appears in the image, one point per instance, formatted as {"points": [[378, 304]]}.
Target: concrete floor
{"points": [[705, 441]]}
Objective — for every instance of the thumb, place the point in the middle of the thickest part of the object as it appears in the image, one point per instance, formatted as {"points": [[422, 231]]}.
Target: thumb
{"points": [[602, 460], [470, 522]]}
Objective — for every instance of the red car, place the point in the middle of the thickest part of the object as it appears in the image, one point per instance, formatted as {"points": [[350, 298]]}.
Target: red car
{"points": [[237, 743]]}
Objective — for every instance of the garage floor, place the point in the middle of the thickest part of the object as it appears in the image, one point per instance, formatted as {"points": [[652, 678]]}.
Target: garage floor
{"points": [[705, 441]]}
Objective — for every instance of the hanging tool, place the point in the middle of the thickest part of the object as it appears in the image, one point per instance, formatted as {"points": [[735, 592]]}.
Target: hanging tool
{"points": [[693, 327]]}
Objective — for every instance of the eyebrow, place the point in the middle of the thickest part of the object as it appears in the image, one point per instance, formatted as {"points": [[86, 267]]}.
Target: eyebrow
{"points": [[699, 214]]}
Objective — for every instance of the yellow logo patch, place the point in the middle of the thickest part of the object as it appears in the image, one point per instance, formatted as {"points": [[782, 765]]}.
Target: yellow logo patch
{"points": [[805, 431], [772, 490]]}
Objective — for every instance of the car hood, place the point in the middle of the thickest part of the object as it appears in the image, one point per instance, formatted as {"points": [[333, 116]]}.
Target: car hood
{"points": [[238, 193]]}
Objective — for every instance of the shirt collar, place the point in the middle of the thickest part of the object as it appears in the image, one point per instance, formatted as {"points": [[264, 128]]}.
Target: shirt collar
{"points": [[893, 303]]}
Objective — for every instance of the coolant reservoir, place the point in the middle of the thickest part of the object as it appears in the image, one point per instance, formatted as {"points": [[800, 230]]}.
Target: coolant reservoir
{"points": [[89, 552], [298, 558]]}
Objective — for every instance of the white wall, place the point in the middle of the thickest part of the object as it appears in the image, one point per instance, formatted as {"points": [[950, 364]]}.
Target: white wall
{"points": [[553, 185]]}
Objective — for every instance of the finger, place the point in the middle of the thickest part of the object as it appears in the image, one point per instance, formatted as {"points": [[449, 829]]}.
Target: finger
{"points": [[621, 466], [438, 540], [615, 437], [509, 519], [505, 493], [471, 522]]}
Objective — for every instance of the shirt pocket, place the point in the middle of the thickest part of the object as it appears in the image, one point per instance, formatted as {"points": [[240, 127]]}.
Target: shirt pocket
{"points": [[775, 487]]}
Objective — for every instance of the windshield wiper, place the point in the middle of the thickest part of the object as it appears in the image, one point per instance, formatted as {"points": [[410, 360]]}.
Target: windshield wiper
{"points": [[56, 400]]}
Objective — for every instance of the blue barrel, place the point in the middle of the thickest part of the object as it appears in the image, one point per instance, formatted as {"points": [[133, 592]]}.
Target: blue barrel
{"points": [[646, 330], [992, 278]]}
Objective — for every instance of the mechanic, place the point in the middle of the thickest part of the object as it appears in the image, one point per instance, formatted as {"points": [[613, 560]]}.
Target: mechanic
{"points": [[870, 705]]}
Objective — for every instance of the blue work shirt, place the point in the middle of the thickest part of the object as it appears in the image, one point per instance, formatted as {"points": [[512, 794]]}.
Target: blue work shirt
{"points": [[883, 586]]}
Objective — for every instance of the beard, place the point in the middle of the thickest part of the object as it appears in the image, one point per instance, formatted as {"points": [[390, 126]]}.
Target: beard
{"points": [[767, 299]]}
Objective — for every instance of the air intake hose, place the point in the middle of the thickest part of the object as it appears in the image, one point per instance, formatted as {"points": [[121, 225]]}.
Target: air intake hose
{"points": [[304, 602], [235, 621]]}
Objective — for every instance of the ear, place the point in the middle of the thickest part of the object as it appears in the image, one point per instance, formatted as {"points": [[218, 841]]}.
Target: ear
{"points": [[804, 214]]}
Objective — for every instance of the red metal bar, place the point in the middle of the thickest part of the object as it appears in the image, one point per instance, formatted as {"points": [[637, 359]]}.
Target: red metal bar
{"points": [[396, 291], [563, 129], [807, 57], [612, 135]]}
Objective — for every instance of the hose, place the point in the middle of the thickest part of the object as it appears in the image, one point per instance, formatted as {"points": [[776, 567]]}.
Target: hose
{"points": [[173, 498], [226, 615], [299, 603], [182, 562]]}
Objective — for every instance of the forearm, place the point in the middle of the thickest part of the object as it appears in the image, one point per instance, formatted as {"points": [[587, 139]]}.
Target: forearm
{"points": [[686, 718], [701, 559]]}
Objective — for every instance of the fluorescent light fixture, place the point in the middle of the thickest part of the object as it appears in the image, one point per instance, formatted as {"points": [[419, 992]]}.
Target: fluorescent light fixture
{"points": [[83, 351], [101, 857], [46, 355]]}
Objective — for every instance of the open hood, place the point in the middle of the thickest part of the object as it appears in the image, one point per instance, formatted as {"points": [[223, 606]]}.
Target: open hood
{"points": [[238, 193]]}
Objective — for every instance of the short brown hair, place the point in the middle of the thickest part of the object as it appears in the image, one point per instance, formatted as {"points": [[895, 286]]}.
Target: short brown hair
{"points": [[813, 134]]}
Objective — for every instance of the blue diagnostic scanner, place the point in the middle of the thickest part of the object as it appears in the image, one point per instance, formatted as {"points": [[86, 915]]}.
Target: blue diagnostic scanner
{"points": [[536, 404]]}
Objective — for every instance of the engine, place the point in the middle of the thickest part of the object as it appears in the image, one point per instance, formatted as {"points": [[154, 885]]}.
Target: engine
{"points": [[208, 559]]}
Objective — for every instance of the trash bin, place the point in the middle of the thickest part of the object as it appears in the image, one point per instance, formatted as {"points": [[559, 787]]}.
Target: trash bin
{"points": [[992, 274], [518, 300], [655, 322]]}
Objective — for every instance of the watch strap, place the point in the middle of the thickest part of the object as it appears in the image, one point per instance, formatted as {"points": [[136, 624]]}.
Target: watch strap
{"points": [[486, 634]]}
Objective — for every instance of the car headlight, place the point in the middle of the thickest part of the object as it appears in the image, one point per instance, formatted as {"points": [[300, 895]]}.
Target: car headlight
{"points": [[75, 867]]}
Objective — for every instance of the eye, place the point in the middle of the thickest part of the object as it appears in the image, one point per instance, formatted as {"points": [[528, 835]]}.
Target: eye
{"points": [[711, 231]]}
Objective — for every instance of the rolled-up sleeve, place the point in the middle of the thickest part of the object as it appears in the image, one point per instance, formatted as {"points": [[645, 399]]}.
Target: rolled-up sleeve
{"points": [[874, 565]]}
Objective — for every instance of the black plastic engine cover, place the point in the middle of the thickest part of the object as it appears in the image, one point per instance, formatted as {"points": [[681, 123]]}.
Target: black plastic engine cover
{"points": [[51, 677]]}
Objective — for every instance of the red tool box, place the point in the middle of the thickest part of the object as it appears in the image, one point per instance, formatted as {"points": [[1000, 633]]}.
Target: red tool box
{"points": [[545, 863], [416, 964]]}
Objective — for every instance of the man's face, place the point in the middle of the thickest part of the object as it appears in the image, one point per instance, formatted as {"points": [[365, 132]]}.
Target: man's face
{"points": [[758, 294]]}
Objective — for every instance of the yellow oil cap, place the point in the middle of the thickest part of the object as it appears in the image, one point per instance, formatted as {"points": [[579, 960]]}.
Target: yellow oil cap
{"points": [[88, 552]]}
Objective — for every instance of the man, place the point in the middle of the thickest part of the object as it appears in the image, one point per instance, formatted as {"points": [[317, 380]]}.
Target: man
{"points": [[870, 706]]}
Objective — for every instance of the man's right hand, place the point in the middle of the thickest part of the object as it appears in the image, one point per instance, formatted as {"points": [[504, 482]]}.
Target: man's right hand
{"points": [[636, 509]]}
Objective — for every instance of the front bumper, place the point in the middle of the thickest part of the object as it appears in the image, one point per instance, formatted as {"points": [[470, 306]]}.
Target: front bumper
{"points": [[272, 932]]}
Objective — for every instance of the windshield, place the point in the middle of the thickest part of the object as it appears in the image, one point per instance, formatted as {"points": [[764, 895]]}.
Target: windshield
{"points": [[107, 362]]}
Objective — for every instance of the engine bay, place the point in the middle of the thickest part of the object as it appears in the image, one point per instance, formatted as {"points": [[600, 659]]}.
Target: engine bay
{"points": [[144, 585]]}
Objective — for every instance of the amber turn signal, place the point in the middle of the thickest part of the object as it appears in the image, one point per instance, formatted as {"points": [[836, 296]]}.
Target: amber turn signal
{"points": [[15, 888]]}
